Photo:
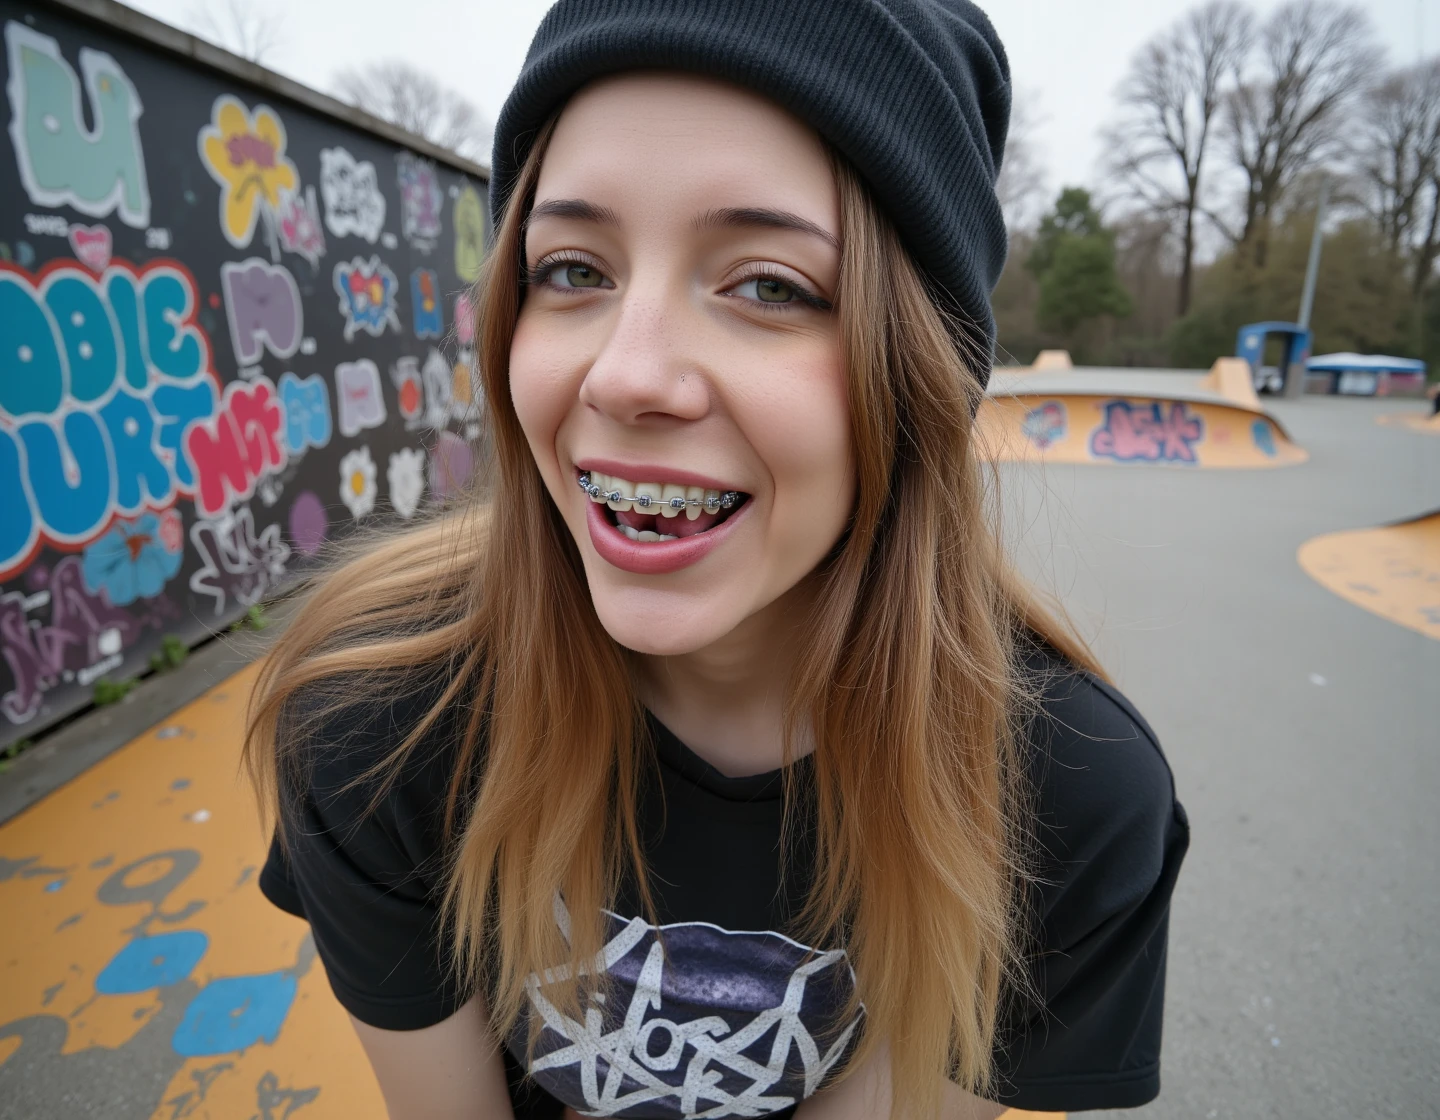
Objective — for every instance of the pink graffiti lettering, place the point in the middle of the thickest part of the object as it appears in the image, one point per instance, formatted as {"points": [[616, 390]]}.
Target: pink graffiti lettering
{"points": [[232, 451], [262, 303], [247, 148], [93, 245], [357, 390], [1148, 432], [300, 230]]}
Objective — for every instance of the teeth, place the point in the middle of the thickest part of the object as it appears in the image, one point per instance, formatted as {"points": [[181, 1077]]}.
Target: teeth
{"points": [[658, 496], [651, 490], [670, 491], [647, 535], [667, 537], [633, 534], [625, 487]]}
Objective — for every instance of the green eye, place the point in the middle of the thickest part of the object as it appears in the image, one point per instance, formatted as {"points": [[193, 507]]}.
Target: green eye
{"points": [[774, 291], [582, 276]]}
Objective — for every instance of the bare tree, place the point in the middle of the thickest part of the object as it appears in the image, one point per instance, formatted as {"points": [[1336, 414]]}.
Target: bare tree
{"points": [[1315, 58], [406, 96], [1170, 102], [1397, 157], [251, 30], [1021, 185]]}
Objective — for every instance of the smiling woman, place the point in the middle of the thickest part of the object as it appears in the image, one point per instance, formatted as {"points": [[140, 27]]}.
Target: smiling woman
{"points": [[711, 761]]}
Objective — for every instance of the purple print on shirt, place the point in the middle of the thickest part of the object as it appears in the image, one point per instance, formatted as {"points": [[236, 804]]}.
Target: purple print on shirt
{"points": [[715, 1024]]}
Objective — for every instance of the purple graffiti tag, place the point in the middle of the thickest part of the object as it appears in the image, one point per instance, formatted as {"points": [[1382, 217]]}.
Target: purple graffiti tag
{"points": [[308, 522], [86, 635], [262, 303], [238, 566], [450, 466], [84, 626], [27, 668], [1145, 433]]}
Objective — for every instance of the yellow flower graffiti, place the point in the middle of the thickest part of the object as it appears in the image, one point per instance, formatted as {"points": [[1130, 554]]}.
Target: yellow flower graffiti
{"points": [[245, 154]]}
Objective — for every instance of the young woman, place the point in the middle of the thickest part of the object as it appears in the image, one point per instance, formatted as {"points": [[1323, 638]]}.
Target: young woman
{"points": [[711, 762]]}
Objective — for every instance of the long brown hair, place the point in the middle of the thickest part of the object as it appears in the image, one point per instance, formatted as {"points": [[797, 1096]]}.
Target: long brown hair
{"points": [[909, 684]]}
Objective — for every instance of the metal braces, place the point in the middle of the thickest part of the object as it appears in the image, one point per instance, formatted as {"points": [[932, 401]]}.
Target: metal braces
{"points": [[726, 500]]}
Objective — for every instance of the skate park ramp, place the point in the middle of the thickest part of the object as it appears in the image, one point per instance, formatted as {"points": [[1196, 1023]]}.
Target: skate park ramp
{"points": [[1424, 423], [1392, 570], [1053, 412]]}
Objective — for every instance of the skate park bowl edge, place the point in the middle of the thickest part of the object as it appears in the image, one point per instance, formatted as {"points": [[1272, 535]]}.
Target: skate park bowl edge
{"points": [[1391, 570], [1052, 412]]}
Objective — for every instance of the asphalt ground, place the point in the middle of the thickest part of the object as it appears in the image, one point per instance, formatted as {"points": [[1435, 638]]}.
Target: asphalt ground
{"points": [[1304, 971], [1303, 976]]}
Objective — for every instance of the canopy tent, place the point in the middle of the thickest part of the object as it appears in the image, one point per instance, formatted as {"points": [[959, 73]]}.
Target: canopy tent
{"points": [[1370, 363]]}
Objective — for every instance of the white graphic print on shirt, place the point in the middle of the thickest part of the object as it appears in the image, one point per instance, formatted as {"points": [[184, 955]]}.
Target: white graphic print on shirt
{"points": [[713, 1024]]}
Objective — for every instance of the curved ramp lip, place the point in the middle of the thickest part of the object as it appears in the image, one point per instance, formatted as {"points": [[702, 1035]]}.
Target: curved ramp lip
{"points": [[1138, 385]]}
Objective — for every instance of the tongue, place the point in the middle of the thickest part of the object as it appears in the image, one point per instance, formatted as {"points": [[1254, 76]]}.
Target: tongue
{"points": [[678, 526]]}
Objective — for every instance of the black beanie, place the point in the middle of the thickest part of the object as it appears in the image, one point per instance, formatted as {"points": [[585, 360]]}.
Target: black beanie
{"points": [[915, 93]]}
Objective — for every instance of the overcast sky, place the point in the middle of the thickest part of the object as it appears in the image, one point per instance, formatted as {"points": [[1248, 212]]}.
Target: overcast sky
{"points": [[1067, 54]]}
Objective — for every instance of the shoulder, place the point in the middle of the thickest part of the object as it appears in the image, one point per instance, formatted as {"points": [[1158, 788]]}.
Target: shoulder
{"points": [[1107, 821], [350, 772]]}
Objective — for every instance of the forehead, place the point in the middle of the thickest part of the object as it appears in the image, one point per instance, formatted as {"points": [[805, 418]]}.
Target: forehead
{"points": [[668, 141]]}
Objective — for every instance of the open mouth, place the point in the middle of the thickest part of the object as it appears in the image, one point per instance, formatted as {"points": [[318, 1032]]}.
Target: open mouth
{"points": [[655, 512]]}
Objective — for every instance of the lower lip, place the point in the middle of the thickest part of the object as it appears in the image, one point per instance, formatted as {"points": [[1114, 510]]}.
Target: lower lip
{"points": [[653, 558]]}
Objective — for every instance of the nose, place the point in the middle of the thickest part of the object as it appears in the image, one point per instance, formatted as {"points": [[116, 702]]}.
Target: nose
{"points": [[644, 374]]}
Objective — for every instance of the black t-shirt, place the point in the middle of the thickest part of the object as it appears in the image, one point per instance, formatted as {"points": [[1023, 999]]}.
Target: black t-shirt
{"points": [[734, 1012]]}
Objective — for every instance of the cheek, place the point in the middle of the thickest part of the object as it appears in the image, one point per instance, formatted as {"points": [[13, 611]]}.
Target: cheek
{"points": [[542, 388], [802, 433]]}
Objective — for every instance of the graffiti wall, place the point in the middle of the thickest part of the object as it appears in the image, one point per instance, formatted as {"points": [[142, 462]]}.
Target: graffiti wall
{"points": [[228, 332]]}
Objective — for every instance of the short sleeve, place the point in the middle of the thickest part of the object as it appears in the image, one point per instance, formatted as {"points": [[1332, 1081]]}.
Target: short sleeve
{"points": [[368, 879], [1111, 839]]}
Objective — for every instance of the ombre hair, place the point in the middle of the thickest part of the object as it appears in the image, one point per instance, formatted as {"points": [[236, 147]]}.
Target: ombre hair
{"points": [[910, 683]]}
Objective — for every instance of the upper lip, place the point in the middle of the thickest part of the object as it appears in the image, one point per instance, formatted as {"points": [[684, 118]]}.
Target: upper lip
{"points": [[650, 472]]}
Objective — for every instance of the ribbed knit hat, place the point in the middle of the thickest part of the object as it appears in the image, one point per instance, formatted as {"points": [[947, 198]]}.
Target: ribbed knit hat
{"points": [[915, 93]]}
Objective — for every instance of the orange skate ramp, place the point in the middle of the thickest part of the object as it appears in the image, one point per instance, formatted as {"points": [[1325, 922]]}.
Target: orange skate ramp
{"points": [[1153, 417], [1424, 423], [1392, 571]]}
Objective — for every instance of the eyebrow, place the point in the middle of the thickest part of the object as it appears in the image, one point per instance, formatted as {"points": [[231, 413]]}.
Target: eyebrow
{"points": [[732, 217], [574, 208], [736, 217]]}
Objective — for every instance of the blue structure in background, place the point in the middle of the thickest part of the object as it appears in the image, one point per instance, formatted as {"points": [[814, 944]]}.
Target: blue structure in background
{"points": [[1250, 345]]}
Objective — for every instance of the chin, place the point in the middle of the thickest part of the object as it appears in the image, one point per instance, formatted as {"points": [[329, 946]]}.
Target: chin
{"points": [[643, 622]]}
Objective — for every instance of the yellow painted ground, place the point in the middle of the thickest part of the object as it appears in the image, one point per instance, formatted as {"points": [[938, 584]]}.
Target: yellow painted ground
{"points": [[156, 848], [1073, 428], [1392, 571]]}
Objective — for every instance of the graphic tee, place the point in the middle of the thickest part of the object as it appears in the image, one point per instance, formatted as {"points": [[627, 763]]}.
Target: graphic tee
{"points": [[734, 1016]]}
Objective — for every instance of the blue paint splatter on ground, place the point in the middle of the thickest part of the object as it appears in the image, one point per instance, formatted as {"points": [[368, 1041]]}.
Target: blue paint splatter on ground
{"points": [[152, 962], [180, 783], [235, 1012], [51, 888]]}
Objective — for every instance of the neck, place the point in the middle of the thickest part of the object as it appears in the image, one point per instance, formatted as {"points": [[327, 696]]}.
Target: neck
{"points": [[726, 702]]}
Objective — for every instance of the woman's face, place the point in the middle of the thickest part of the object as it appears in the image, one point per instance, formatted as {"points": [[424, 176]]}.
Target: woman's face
{"points": [[676, 341]]}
